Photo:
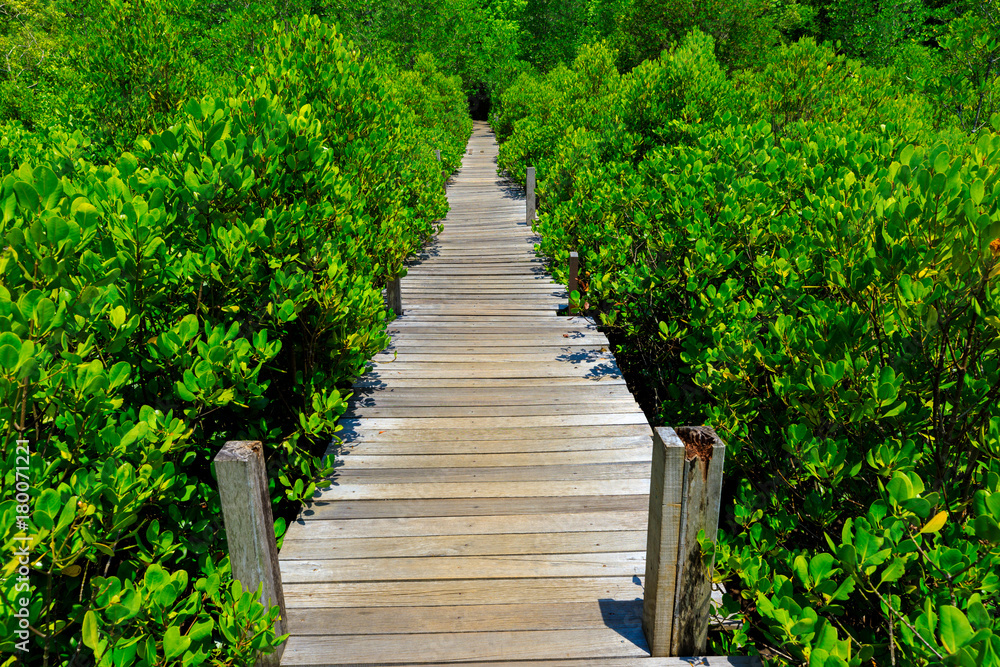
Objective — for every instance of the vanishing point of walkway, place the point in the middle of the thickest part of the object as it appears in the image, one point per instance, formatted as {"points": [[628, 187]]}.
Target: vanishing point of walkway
{"points": [[491, 499]]}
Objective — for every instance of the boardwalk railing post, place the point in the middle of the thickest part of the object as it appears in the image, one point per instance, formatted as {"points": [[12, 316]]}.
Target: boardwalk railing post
{"points": [[684, 495], [573, 284], [529, 198], [444, 173], [246, 513], [394, 296]]}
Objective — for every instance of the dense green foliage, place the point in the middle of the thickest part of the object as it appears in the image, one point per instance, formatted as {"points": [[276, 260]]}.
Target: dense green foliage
{"points": [[794, 255], [221, 281]]}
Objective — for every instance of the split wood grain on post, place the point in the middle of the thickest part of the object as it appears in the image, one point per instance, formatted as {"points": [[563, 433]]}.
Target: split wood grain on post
{"points": [[684, 496], [246, 513]]}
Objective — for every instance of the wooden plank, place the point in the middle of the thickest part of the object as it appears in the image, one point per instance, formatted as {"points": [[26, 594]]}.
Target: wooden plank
{"points": [[460, 591], [411, 507], [354, 461], [462, 647], [448, 411], [541, 301], [453, 423], [587, 390], [596, 372], [532, 359], [401, 445], [466, 618], [373, 381], [531, 473], [555, 322], [643, 661], [355, 431], [617, 487], [461, 309], [310, 529], [504, 341], [611, 564], [432, 396]]}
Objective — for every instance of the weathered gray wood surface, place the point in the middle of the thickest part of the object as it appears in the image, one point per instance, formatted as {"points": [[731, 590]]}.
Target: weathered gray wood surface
{"points": [[492, 487], [529, 203], [701, 490], [246, 513]]}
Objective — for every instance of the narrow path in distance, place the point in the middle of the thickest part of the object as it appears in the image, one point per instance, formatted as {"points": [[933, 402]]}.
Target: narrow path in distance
{"points": [[491, 499]]}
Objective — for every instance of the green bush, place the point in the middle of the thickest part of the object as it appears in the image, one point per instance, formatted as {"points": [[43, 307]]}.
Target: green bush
{"points": [[223, 282], [439, 106], [826, 293]]}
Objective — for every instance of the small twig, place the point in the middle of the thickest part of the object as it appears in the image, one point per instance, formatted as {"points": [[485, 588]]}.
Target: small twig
{"points": [[906, 623]]}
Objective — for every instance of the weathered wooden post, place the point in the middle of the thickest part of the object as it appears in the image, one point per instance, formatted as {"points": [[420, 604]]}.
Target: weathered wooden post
{"points": [[444, 174], [573, 284], [684, 495], [394, 296], [529, 199], [246, 512]]}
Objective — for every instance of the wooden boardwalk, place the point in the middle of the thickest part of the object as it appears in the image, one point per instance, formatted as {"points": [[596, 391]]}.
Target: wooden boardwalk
{"points": [[491, 498]]}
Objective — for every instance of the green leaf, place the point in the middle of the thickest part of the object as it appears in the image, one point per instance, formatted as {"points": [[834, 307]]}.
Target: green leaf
{"points": [[977, 190], [906, 154], [44, 311], [27, 197], [193, 107], [119, 374], [936, 523], [954, 628], [260, 106], [187, 328], [155, 577], [987, 529], [127, 164], [173, 643], [169, 140], [183, 392], [941, 162], [90, 629], [201, 630], [56, 229], [8, 357], [821, 567], [49, 502], [899, 487], [9, 208], [886, 393], [894, 571], [51, 188], [118, 317], [895, 410]]}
